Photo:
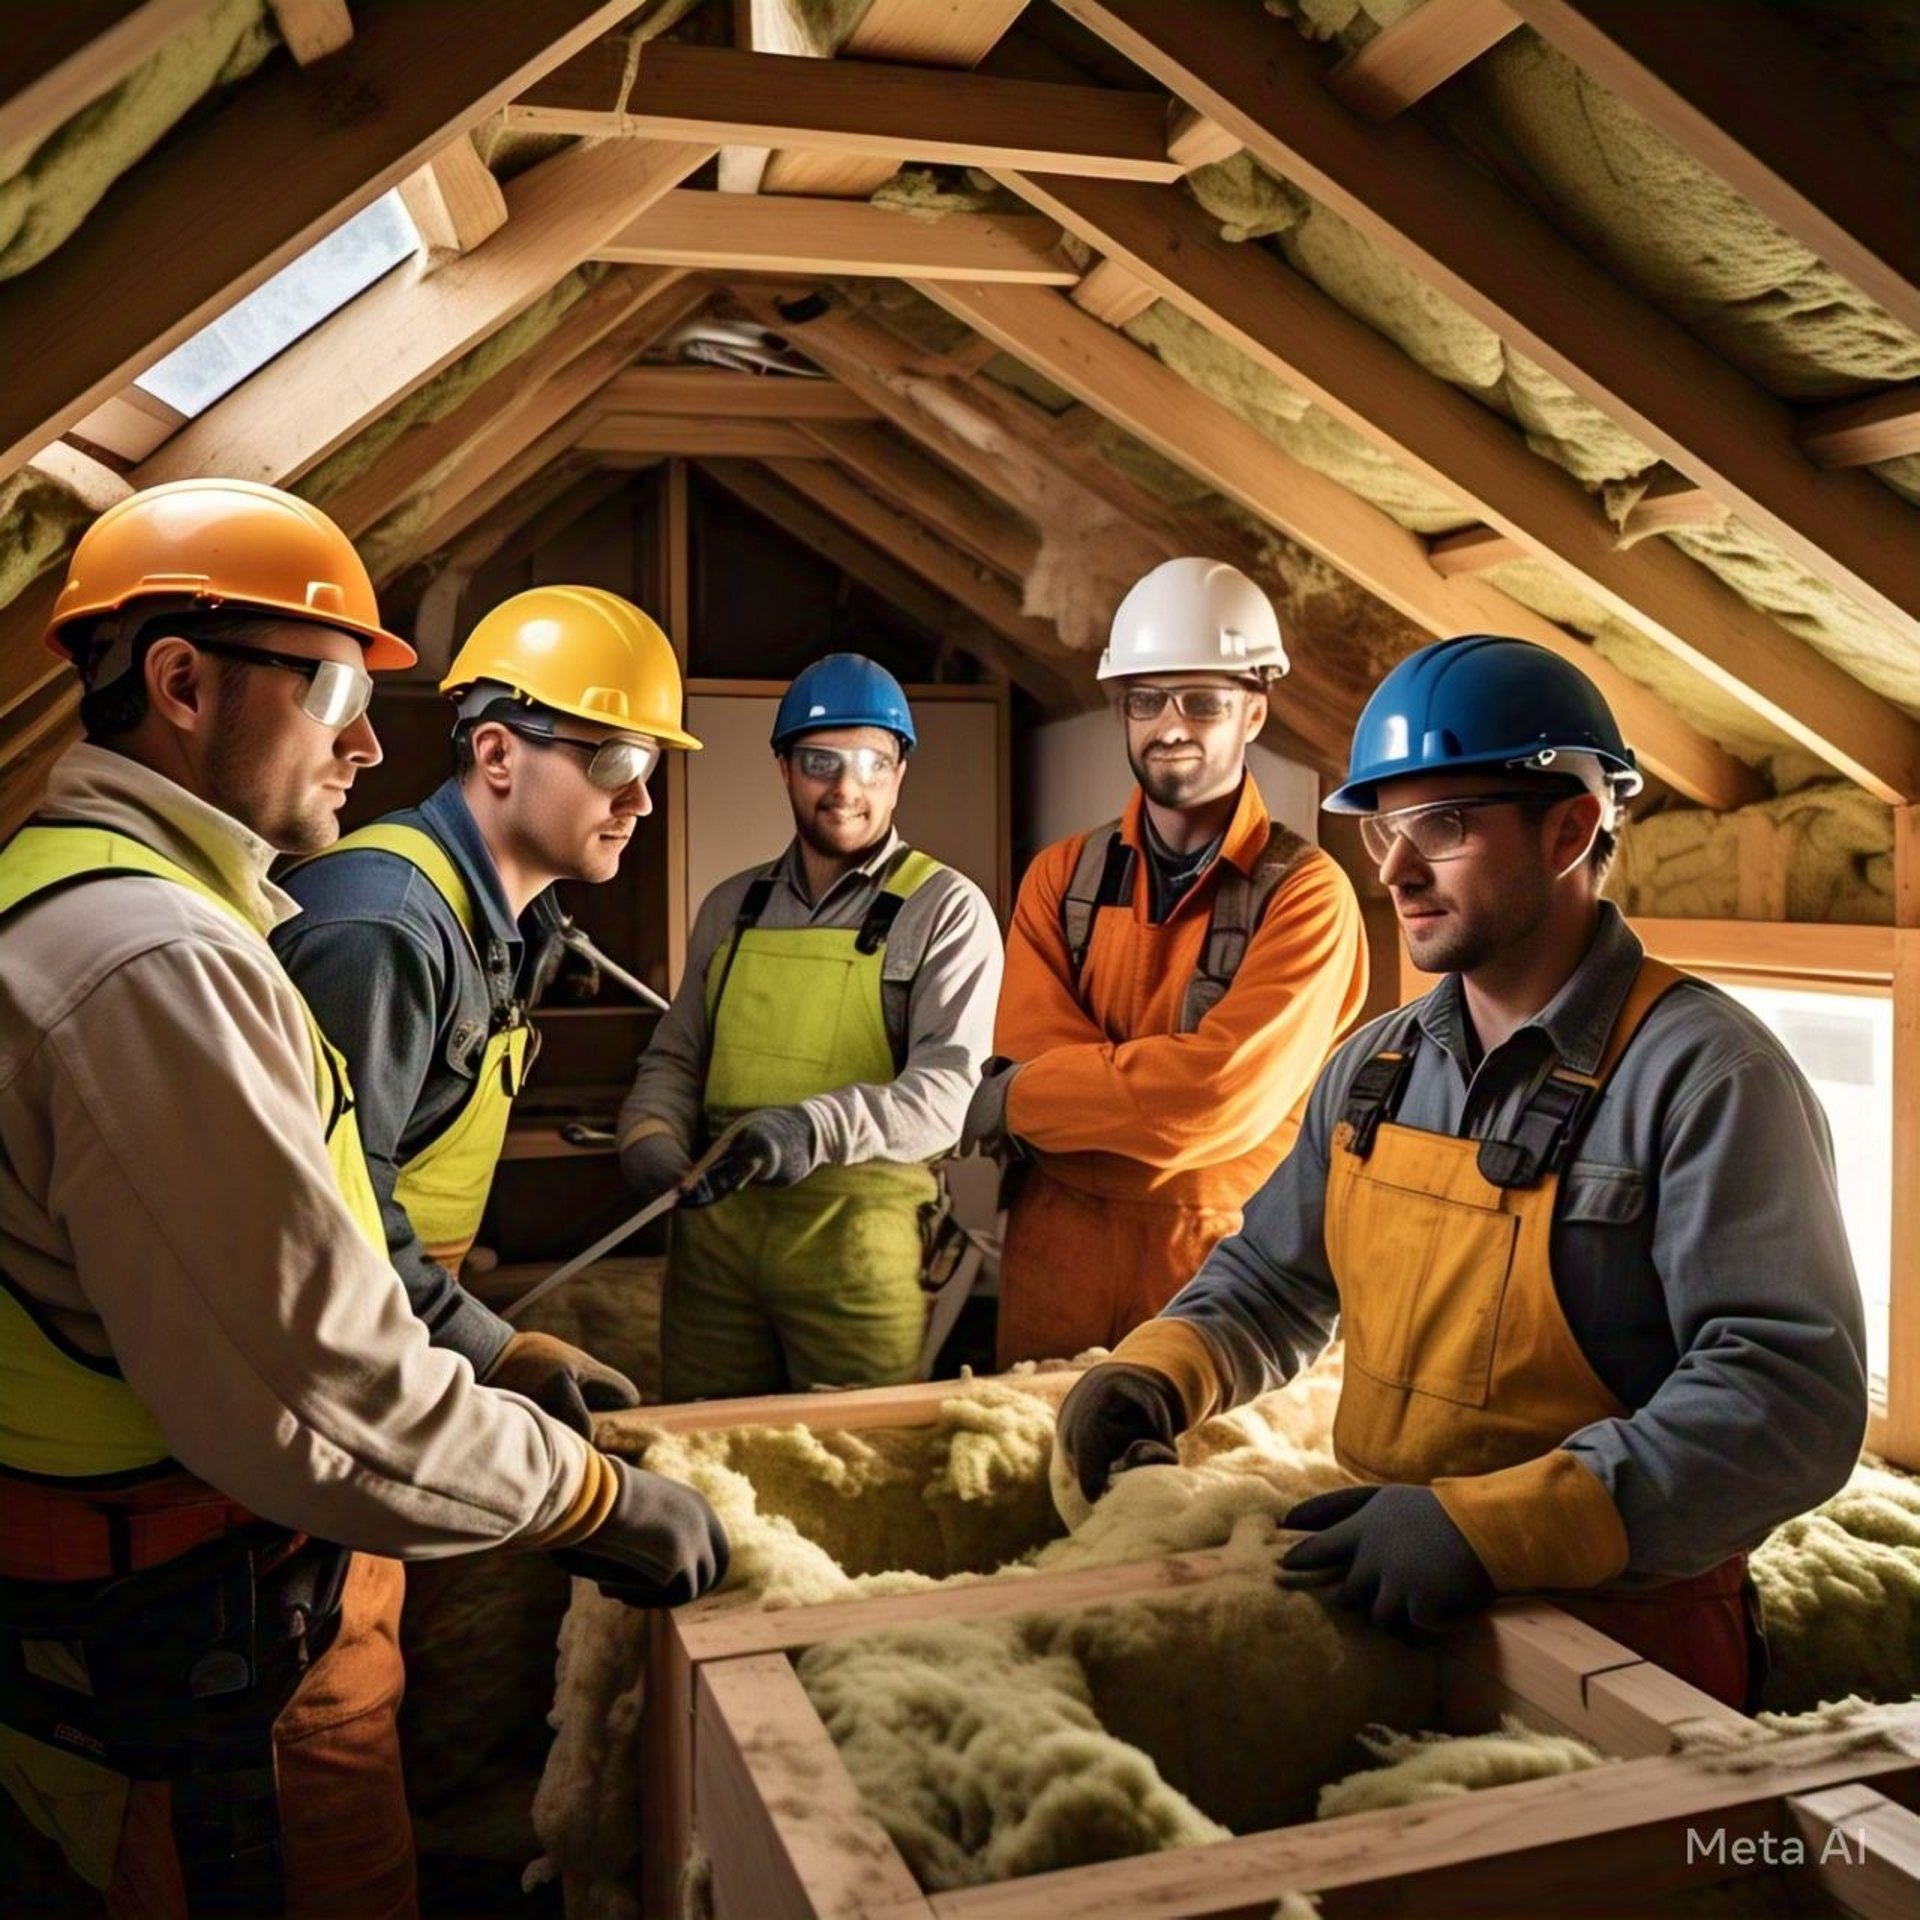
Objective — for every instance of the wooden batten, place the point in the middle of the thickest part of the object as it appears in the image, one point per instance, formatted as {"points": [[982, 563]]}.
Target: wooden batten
{"points": [[1406, 61]]}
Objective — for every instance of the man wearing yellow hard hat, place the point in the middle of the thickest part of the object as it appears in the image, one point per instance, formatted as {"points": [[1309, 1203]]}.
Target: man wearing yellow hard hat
{"points": [[222, 1426], [419, 936]]}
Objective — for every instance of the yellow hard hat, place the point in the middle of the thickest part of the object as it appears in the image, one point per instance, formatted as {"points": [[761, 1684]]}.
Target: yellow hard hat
{"points": [[579, 650], [223, 545]]}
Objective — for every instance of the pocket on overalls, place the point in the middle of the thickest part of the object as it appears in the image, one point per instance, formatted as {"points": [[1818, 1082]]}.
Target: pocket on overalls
{"points": [[1420, 1309]]}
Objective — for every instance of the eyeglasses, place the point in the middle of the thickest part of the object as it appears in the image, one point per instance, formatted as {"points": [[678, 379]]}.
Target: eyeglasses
{"points": [[1199, 704], [1438, 831], [338, 692], [613, 764], [868, 765]]}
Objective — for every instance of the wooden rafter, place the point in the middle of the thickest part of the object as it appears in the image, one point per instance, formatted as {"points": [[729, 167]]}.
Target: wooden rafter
{"points": [[1811, 161], [654, 436], [1253, 300], [56, 60], [377, 349], [744, 233], [545, 463], [1126, 383], [1406, 61], [877, 110], [454, 201], [1113, 295], [1854, 433], [715, 391], [285, 161], [1460, 230]]}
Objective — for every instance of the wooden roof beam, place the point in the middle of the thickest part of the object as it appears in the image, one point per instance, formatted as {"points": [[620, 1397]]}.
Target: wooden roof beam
{"points": [[454, 201], [753, 234], [1125, 382], [877, 110], [402, 331], [1460, 230], [622, 435], [290, 156], [1801, 152], [715, 391], [1408, 60], [1855, 433]]}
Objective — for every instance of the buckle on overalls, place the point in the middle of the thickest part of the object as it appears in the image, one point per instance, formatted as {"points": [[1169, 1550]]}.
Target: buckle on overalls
{"points": [[1374, 1093], [1548, 1124]]}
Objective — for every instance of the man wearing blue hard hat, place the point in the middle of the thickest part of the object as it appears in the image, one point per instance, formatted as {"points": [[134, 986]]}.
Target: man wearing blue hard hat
{"points": [[1574, 1212], [836, 1006]]}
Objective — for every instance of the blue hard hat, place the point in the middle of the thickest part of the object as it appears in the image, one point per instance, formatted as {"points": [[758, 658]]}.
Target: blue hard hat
{"points": [[843, 690], [1480, 701]]}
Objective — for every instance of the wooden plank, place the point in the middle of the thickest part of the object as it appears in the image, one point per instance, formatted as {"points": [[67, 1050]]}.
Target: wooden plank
{"points": [[313, 29], [1132, 388], [878, 110], [799, 1843], [1863, 1850], [932, 495], [1194, 141], [405, 466], [746, 233], [1113, 295], [1671, 500], [454, 201], [56, 60], [1406, 61], [1800, 150], [847, 1409], [666, 1749], [401, 332], [738, 396], [1900, 1438], [290, 156], [1808, 950], [1463, 232], [1283, 323], [1472, 550], [657, 434], [129, 424], [1853, 433]]}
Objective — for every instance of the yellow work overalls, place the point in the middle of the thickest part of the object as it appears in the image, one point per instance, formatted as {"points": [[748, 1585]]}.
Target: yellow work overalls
{"points": [[287, 1790], [1460, 1363]]}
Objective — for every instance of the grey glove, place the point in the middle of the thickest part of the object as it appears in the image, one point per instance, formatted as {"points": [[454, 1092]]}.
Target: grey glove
{"points": [[661, 1546], [774, 1146], [653, 1163], [561, 1380], [985, 1127], [1117, 1417], [1395, 1553]]}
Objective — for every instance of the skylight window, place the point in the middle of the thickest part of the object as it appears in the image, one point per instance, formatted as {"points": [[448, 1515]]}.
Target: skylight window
{"points": [[275, 314]]}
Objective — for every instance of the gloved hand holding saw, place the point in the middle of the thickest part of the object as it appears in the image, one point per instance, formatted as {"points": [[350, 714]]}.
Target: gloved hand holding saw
{"points": [[775, 1147]]}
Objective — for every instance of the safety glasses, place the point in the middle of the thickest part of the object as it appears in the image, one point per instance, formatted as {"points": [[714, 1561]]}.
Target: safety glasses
{"points": [[1201, 705], [868, 765], [1440, 830], [611, 764], [337, 694]]}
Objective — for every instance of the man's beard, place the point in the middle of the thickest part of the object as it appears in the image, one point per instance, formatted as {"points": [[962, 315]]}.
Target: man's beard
{"points": [[236, 786], [807, 824], [1175, 785]]}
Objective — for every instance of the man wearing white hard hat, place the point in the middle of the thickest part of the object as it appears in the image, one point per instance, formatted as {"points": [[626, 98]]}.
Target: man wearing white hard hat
{"points": [[1175, 979]]}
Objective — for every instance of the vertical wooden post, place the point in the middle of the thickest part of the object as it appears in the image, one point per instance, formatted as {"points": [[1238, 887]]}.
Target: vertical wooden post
{"points": [[676, 547], [1902, 1433]]}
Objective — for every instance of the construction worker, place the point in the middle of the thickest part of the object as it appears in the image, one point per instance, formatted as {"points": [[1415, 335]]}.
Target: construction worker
{"points": [[419, 936], [1175, 979], [208, 1368], [834, 1012], [1574, 1211]]}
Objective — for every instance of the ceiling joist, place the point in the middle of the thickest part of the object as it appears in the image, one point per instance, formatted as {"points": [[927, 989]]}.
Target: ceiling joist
{"points": [[654, 436], [715, 392], [293, 154], [1406, 61], [1463, 233]]}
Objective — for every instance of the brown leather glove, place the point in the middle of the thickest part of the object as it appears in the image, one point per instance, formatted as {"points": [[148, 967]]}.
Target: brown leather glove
{"points": [[561, 1380]]}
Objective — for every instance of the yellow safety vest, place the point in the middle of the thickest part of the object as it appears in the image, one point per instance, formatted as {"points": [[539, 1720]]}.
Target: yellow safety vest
{"points": [[66, 1414], [444, 1186]]}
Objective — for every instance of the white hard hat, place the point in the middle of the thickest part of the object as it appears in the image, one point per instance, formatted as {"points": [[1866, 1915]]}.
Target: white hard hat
{"points": [[1195, 616]]}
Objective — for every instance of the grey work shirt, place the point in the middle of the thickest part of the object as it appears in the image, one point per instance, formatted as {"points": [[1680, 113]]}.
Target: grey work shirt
{"points": [[383, 962], [940, 982], [1697, 1249]]}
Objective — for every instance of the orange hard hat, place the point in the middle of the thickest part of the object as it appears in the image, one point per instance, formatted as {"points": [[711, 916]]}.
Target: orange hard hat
{"points": [[230, 545]]}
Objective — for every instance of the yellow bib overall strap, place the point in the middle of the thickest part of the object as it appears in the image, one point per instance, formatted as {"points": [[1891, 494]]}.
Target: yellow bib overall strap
{"points": [[444, 1186], [798, 1012], [1460, 1363], [64, 1413]]}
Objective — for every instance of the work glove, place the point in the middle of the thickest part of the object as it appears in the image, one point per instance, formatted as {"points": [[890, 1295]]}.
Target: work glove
{"points": [[1116, 1418], [774, 1146], [653, 1163], [1395, 1553], [661, 1546], [561, 1380], [985, 1127]]}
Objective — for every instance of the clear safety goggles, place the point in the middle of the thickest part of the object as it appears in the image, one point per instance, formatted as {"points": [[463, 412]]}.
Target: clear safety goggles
{"points": [[611, 764], [1439, 831], [338, 691], [1202, 705], [868, 765]]}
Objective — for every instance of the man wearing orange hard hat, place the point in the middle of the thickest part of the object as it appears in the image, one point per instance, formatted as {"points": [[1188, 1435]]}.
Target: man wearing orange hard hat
{"points": [[209, 1370], [420, 938]]}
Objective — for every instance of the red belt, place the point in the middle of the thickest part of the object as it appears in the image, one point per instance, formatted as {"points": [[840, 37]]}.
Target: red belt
{"points": [[50, 1532]]}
